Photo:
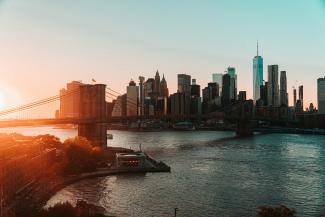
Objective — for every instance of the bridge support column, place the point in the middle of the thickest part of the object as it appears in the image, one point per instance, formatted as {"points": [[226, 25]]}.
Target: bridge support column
{"points": [[244, 128], [96, 133], [93, 110]]}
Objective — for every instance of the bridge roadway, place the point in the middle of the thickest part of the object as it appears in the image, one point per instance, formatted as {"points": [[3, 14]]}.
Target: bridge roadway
{"points": [[77, 121], [46, 121]]}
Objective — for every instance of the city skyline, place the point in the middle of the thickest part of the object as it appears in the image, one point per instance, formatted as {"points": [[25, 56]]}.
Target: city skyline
{"points": [[104, 44]]}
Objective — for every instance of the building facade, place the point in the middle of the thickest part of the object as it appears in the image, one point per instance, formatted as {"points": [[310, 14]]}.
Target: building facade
{"points": [[321, 95], [283, 89], [225, 97], [233, 83], [257, 76], [184, 83], [217, 78], [70, 100], [273, 85], [132, 92]]}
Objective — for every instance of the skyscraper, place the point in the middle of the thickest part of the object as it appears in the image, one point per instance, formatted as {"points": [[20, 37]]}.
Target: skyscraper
{"points": [[132, 92], [283, 89], [233, 83], [321, 95], [184, 83], [70, 100], [294, 97], [157, 84], [257, 76], [217, 78], [273, 85], [195, 89], [301, 96], [141, 95], [196, 103], [163, 87], [225, 97]]}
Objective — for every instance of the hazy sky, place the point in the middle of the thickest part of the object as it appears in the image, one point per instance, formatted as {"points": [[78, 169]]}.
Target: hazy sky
{"points": [[46, 43]]}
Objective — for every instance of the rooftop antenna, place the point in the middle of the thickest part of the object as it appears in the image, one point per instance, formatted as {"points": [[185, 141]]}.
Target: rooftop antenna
{"points": [[257, 48]]}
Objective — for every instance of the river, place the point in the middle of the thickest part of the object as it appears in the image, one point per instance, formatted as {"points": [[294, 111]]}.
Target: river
{"points": [[213, 174]]}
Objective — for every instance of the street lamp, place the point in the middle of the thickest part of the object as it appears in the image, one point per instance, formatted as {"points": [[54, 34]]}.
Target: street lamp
{"points": [[175, 213]]}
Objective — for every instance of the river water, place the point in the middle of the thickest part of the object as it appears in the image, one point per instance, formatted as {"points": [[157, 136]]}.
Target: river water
{"points": [[213, 174]]}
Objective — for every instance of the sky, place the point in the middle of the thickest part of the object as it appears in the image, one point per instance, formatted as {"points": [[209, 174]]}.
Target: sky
{"points": [[47, 43]]}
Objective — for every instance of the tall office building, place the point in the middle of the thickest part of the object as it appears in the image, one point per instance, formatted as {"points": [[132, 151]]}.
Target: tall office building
{"points": [[257, 76], [70, 100], [184, 83], [148, 88], [233, 83], [283, 89], [217, 78], [242, 95], [263, 94], [273, 85], [294, 97], [141, 95], [132, 92], [195, 89], [321, 95], [157, 84], [301, 96], [195, 104], [225, 97], [163, 87]]}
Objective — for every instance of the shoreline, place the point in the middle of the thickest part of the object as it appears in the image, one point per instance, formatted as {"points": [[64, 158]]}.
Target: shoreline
{"points": [[45, 188]]}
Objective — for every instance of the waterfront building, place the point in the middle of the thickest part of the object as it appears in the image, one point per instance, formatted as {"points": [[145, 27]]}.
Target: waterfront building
{"points": [[321, 95], [273, 85], [70, 100], [184, 83], [242, 96], [233, 83], [135, 160], [225, 97], [217, 78], [283, 89], [132, 92], [180, 104], [257, 76], [301, 95]]}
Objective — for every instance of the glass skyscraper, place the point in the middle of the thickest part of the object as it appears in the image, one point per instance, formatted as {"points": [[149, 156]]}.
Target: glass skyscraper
{"points": [[257, 76]]}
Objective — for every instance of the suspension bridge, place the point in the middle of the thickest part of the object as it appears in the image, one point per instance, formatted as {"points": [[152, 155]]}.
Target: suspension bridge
{"points": [[92, 119]]}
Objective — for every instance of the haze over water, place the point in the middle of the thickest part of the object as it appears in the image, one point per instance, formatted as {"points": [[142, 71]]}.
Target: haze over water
{"points": [[213, 174]]}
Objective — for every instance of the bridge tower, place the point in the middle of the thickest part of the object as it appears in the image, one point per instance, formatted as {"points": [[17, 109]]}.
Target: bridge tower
{"points": [[93, 111], [244, 115]]}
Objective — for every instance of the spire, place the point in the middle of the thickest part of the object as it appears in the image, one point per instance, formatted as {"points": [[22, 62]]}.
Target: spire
{"points": [[163, 78], [257, 48], [157, 73]]}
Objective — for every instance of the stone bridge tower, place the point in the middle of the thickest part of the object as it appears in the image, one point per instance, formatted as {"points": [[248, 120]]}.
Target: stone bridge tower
{"points": [[93, 111]]}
